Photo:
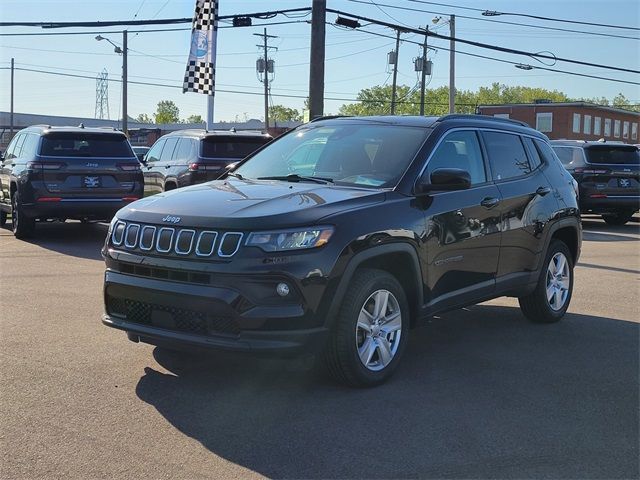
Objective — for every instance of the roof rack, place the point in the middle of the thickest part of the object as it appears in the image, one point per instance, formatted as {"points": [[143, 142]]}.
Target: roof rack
{"points": [[487, 118]]}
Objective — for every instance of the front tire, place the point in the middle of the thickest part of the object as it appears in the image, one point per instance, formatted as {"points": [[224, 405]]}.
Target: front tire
{"points": [[550, 300], [22, 225], [371, 331], [619, 218]]}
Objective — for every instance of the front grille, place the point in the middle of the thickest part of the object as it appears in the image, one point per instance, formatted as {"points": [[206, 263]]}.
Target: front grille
{"points": [[174, 318], [181, 242]]}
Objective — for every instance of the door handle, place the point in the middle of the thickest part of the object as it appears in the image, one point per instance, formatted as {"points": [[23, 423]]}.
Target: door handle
{"points": [[542, 191], [490, 202], [167, 166]]}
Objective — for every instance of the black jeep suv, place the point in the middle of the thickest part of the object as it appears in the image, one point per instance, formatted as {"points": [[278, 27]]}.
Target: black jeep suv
{"points": [[608, 176], [343, 234], [187, 157], [66, 172]]}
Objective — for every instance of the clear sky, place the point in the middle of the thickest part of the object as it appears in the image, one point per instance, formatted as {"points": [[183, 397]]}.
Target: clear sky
{"points": [[355, 60]]}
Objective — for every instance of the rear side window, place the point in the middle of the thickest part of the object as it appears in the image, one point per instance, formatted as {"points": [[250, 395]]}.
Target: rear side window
{"points": [[184, 150], [15, 146], [231, 147], [506, 155], [534, 156], [169, 147], [30, 145], [569, 156], [614, 155], [78, 144]]}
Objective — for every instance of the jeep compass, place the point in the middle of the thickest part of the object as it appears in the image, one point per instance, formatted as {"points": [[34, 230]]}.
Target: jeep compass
{"points": [[343, 235]]}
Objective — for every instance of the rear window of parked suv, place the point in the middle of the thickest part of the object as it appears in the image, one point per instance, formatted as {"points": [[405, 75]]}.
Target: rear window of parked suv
{"points": [[231, 147], [72, 144], [609, 154]]}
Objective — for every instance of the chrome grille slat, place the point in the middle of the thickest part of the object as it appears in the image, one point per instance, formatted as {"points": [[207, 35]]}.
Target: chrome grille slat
{"points": [[151, 238]]}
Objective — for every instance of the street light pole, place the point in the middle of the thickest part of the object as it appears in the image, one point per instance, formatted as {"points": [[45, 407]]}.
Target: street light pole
{"points": [[124, 83]]}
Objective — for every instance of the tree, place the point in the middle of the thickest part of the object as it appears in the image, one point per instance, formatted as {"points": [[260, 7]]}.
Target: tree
{"points": [[144, 118], [620, 101], [194, 119], [167, 112], [280, 113]]}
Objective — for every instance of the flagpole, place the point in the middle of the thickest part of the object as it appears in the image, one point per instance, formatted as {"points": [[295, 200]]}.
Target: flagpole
{"points": [[210, 112]]}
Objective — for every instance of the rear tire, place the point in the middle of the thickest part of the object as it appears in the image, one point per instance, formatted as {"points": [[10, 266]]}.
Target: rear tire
{"points": [[22, 225], [371, 331], [550, 300], [619, 218]]}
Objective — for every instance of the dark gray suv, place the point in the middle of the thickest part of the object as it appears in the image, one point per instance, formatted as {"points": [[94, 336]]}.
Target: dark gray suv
{"points": [[188, 157], [66, 172]]}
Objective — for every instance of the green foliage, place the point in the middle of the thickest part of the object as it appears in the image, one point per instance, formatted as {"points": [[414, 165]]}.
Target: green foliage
{"points": [[167, 112], [194, 119], [144, 118], [377, 100], [280, 113]]}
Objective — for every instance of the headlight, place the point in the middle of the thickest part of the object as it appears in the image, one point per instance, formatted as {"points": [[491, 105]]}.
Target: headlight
{"points": [[295, 239]]}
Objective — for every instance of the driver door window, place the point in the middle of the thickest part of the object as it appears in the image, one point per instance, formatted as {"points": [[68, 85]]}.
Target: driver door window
{"points": [[460, 149]]}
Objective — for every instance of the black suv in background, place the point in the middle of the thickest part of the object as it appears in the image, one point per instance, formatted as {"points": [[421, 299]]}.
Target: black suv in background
{"points": [[343, 234], [608, 176], [187, 157], [66, 172]]}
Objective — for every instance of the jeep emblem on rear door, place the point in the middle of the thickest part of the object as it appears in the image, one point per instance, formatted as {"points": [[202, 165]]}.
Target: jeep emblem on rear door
{"points": [[171, 219]]}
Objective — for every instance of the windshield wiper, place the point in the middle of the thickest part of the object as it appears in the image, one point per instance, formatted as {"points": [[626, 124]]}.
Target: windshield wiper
{"points": [[294, 177], [237, 175]]}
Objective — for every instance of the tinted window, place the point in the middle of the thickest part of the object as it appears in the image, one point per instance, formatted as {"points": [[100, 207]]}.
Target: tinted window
{"points": [[78, 144], [613, 154], [460, 150], [154, 154], [231, 147], [355, 152], [534, 156], [547, 153], [30, 145], [11, 149], [569, 156], [184, 151], [506, 154], [169, 147]]}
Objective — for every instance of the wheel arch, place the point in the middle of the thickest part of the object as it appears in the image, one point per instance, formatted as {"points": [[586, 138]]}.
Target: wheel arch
{"points": [[398, 259]]}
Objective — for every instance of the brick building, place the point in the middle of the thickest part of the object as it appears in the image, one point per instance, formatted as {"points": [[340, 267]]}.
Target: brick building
{"points": [[572, 120]]}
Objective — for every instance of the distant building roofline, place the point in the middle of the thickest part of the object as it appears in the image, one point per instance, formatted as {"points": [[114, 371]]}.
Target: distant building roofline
{"points": [[562, 104]]}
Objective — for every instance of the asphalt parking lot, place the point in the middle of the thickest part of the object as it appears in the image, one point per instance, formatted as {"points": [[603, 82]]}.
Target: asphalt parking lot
{"points": [[481, 392]]}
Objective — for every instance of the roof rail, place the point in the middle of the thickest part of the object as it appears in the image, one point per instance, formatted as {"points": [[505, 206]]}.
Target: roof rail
{"points": [[41, 125], [454, 116], [328, 117]]}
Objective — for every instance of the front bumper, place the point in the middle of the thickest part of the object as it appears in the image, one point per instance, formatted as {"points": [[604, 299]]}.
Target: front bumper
{"points": [[184, 315]]}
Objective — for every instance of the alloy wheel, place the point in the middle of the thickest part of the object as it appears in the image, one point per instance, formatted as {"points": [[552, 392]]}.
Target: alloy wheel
{"points": [[558, 281], [378, 330]]}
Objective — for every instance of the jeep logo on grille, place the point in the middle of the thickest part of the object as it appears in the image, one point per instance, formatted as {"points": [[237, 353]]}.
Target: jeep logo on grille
{"points": [[171, 219]]}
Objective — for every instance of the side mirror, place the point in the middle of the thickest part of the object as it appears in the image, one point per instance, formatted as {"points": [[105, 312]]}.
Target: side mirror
{"points": [[443, 180]]}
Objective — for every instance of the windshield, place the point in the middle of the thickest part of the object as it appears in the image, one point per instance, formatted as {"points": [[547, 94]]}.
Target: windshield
{"points": [[72, 144], [609, 154], [231, 147], [359, 153]]}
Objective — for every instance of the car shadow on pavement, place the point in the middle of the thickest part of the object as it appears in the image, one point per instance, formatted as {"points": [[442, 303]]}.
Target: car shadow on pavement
{"points": [[70, 238], [481, 392]]}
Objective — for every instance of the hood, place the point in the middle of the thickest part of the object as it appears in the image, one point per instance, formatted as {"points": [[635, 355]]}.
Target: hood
{"points": [[249, 204]]}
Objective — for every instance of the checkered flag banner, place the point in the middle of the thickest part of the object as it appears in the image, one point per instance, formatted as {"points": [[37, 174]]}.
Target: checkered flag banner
{"points": [[200, 74]]}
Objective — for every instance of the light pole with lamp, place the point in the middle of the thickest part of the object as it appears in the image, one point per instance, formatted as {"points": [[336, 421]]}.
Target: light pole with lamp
{"points": [[123, 52]]}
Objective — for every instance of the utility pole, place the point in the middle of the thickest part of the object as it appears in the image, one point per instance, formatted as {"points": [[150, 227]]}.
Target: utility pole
{"points": [[316, 59], [424, 71], [452, 65], [124, 83], [11, 114], [268, 68], [395, 74]]}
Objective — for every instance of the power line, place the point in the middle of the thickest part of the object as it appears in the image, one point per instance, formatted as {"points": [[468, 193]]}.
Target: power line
{"points": [[483, 45], [537, 17], [542, 27]]}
